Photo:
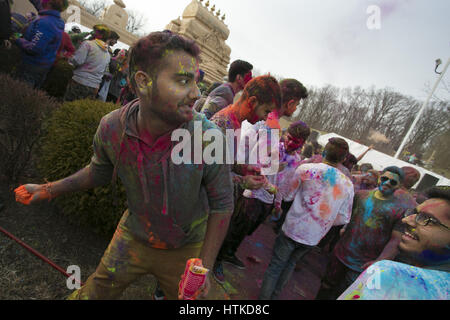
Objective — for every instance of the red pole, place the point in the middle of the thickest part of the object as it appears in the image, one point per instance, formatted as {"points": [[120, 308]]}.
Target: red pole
{"points": [[37, 254]]}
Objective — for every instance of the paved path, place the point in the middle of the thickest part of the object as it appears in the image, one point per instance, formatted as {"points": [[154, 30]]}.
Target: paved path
{"points": [[245, 284]]}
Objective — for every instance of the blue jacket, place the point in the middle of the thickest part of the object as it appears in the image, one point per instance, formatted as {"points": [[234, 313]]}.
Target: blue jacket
{"points": [[42, 39]]}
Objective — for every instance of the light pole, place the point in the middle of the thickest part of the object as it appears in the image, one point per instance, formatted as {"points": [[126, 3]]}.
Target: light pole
{"points": [[405, 140]]}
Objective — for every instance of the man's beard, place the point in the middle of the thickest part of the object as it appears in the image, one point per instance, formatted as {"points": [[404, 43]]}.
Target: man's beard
{"points": [[173, 118]]}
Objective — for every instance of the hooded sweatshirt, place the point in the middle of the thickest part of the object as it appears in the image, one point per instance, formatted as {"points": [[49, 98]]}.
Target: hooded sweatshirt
{"points": [[91, 62], [42, 39], [168, 204]]}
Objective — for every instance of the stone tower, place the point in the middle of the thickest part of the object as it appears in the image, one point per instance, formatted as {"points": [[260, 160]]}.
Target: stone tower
{"points": [[116, 15], [208, 29]]}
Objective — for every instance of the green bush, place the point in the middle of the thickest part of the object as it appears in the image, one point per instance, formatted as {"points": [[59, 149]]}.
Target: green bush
{"points": [[67, 148], [58, 79], [23, 110]]}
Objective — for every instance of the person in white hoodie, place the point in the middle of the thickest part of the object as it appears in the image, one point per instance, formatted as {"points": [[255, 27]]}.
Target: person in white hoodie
{"points": [[91, 62]]}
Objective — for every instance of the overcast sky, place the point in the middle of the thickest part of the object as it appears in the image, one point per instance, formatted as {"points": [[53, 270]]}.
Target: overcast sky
{"points": [[329, 42]]}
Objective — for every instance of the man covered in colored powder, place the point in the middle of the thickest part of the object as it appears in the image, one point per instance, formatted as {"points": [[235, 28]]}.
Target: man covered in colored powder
{"points": [[323, 198], [372, 235], [239, 74], [292, 92], [41, 42], [175, 212], [365, 180], [91, 62], [254, 206], [426, 242], [260, 97]]}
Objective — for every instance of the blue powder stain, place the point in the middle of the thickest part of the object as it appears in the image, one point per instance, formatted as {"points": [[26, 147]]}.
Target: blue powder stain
{"points": [[368, 209], [330, 176], [259, 245]]}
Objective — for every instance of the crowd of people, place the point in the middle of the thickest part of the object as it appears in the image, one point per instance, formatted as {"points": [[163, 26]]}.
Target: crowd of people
{"points": [[319, 197], [98, 72]]}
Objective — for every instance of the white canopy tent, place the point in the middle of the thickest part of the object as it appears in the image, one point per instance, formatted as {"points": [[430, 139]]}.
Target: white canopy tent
{"points": [[381, 160]]}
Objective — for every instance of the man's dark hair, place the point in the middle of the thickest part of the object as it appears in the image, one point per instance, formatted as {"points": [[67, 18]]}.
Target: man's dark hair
{"points": [[307, 151], [116, 52], [317, 148], [412, 176], [292, 89], [299, 130], [266, 90], [397, 171], [336, 150], [438, 192], [350, 161], [148, 52], [113, 36], [238, 67]]}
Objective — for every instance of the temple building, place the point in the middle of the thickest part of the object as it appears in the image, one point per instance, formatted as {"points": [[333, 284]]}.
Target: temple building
{"points": [[199, 22], [114, 17], [207, 27]]}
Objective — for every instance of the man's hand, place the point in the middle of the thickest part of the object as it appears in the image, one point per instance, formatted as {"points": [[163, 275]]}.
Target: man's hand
{"points": [[277, 212], [254, 182], [204, 290], [33, 193], [341, 232], [202, 293]]}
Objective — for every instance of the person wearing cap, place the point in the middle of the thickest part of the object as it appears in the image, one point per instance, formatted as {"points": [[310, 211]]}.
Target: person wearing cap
{"points": [[372, 234], [425, 241], [77, 37], [91, 62]]}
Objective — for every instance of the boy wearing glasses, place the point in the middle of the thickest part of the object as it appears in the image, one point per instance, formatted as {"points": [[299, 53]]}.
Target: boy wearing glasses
{"points": [[426, 243], [372, 235]]}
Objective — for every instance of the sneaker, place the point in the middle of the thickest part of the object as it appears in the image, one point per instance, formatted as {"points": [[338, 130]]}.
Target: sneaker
{"points": [[234, 261], [159, 294], [218, 272]]}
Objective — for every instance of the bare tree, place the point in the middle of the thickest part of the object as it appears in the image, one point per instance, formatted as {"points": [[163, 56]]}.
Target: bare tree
{"points": [[94, 7], [136, 22]]}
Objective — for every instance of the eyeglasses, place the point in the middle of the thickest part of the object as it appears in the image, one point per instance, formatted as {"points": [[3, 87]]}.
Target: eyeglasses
{"points": [[423, 218], [392, 182]]}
